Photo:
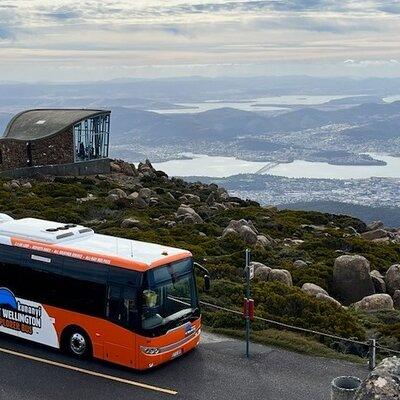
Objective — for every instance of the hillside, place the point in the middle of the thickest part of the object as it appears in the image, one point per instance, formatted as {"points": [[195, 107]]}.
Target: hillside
{"points": [[294, 247]]}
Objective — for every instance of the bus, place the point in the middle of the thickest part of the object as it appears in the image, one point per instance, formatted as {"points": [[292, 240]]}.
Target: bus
{"points": [[124, 301]]}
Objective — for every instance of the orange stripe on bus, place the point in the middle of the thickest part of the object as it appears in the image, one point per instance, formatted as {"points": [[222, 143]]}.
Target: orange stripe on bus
{"points": [[80, 254]]}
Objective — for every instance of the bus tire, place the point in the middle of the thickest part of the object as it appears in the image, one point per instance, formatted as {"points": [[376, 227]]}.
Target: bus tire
{"points": [[76, 342]]}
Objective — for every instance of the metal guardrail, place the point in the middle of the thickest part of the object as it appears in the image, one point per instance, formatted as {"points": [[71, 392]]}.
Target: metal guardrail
{"points": [[371, 344]]}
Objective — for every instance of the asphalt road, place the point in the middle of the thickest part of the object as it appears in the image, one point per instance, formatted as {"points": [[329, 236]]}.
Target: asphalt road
{"points": [[216, 370]]}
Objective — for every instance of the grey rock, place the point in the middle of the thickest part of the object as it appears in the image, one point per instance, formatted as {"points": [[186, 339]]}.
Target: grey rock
{"points": [[392, 279], [145, 192], [14, 184], [351, 278], [300, 264], [248, 235], [325, 297], [378, 281], [130, 223], [375, 302], [27, 185], [280, 275], [313, 289], [383, 383], [261, 271], [112, 197], [262, 241], [115, 167], [133, 196], [188, 215], [119, 193]]}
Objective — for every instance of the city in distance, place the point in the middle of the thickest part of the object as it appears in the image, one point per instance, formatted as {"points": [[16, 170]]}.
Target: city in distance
{"points": [[325, 130]]}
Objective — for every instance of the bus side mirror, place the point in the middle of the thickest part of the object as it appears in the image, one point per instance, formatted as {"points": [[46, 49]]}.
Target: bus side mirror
{"points": [[207, 283]]}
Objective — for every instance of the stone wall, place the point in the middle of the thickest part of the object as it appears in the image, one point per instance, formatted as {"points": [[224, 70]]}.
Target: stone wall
{"points": [[57, 149], [92, 167]]}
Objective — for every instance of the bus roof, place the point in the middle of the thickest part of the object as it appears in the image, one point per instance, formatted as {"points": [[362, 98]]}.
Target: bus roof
{"points": [[83, 243]]}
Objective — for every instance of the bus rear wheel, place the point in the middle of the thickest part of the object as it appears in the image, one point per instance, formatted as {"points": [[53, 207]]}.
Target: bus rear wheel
{"points": [[77, 343]]}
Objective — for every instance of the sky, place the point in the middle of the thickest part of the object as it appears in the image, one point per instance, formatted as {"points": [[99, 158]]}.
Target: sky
{"points": [[59, 40]]}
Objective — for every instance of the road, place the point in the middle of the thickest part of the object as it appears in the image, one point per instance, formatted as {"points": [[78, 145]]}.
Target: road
{"points": [[216, 370]]}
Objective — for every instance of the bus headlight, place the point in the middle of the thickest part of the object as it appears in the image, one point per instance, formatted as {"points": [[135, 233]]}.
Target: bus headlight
{"points": [[151, 351]]}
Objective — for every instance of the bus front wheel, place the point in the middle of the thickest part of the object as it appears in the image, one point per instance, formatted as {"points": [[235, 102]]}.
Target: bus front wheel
{"points": [[77, 343]]}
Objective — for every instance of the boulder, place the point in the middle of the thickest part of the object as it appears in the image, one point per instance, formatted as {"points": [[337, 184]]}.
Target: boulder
{"points": [[392, 279], [375, 302], [325, 297], [292, 242], [351, 278], [27, 185], [378, 281], [190, 198], [89, 197], [145, 192], [313, 289], [383, 383], [115, 168], [280, 275], [262, 241], [170, 196], [130, 223], [211, 199], [186, 214], [248, 235], [119, 193], [247, 231], [375, 234], [261, 271], [133, 196], [14, 184], [396, 299], [112, 197], [300, 264]]}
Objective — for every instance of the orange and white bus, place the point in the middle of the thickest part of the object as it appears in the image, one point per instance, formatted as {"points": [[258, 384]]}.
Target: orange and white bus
{"points": [[124, 301]]}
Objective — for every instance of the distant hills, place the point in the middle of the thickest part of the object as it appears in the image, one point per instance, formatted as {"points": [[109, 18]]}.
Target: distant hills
{"points": [[389, 216]]}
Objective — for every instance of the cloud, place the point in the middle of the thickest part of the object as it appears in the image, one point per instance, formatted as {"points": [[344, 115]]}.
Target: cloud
{"points": [[371, 63], [62, 13]]}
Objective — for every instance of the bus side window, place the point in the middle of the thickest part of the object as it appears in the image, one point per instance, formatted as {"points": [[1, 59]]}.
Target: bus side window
{"points": [[122, 305]]}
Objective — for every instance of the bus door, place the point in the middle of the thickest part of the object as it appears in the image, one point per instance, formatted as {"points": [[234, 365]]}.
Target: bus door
{"points": [[119, 344]]}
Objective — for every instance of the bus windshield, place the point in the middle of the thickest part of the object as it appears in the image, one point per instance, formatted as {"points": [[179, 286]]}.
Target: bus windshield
{"points": [[169, 296]]}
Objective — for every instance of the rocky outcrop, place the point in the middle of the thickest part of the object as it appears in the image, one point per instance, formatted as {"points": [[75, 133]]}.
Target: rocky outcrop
{"points": [[247, 232], [378, 281], [118, 192], [351, 278], [187, 215], [300, 264], [261, 271], [313, 289], [280, 275], [130, 223], [123, 167], [375, 302], [325, 297], [383, 383], [375, 234], [392, 279]]}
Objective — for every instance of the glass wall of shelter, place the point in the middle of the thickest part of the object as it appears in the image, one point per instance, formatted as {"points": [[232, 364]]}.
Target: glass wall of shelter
{"points": [[91, 138]]}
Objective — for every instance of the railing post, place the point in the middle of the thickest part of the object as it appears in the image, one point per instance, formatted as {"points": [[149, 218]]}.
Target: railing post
{"points": [[372, 354], [247, 299]]}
